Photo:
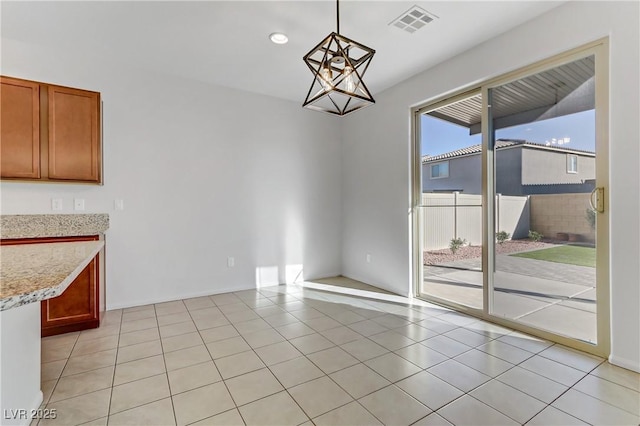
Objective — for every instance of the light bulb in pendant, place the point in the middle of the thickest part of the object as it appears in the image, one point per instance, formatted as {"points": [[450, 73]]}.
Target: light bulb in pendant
{"points": [[349, 81], [326, 76]]}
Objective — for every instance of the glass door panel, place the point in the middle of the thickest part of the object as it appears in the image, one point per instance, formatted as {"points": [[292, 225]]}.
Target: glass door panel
{"points": [[450, 209], [543, 139]]}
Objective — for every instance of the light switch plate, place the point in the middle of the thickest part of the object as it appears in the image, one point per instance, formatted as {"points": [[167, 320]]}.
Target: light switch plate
{"points": [[118, 204], [78, 204], [56, 204]]}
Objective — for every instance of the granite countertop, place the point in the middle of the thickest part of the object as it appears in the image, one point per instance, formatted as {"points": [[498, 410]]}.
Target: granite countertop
{"points": [[52, 225], [33, 272]]}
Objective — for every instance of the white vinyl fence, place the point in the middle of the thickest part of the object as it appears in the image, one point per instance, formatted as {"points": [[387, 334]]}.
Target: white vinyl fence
{"points": [[455, 215]]}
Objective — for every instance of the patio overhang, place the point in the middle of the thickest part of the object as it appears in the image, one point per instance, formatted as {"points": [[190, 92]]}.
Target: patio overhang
{"points": [[560, 91]]}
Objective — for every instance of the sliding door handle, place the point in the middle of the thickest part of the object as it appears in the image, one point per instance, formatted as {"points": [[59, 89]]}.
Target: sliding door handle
{"points": [[596, 199]]}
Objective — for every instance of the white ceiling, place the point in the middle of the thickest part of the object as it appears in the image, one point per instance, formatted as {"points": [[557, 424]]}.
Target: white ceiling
{"points": [[226, 42]]}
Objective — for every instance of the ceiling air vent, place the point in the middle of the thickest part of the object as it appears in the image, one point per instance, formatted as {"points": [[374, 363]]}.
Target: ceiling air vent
{"points": [[413, 19]]}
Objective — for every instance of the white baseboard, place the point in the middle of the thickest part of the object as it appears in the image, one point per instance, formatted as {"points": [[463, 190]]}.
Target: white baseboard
{"points": [[624, 363], [150, 301]]}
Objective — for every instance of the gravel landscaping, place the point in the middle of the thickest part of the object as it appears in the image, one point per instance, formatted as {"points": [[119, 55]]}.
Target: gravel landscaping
{"points": [[443, 256]]}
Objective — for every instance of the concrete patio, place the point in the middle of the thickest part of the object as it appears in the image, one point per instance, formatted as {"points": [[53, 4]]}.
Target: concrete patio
{"points": [[556, 297]]}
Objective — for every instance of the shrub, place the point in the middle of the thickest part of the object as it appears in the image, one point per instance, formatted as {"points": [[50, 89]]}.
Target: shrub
{"points": [[502, 236], [456, 243], [535, 236], [591, 217]]}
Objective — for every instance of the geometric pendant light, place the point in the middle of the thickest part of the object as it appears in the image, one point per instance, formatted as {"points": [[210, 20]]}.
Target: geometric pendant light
{"points": [[338, 65]]}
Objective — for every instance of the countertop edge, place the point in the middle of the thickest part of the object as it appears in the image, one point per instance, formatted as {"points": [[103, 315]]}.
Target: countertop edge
{"points": [[22, 226], [49, 292]]}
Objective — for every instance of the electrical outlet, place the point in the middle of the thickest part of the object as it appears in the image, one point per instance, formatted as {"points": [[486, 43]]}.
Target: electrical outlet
{"points": [[231, 262], [368, 258], [78, 204], [56, 204]]}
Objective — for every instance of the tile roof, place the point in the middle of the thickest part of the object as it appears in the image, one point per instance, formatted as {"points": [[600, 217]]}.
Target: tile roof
{"points": [[500, 143]]}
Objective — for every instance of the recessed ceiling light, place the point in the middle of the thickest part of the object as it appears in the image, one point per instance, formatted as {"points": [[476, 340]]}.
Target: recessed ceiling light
{"points": [[278, 38]]}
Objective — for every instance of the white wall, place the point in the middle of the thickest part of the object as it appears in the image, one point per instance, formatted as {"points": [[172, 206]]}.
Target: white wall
{"points": [[205, 173], [376, 153]]}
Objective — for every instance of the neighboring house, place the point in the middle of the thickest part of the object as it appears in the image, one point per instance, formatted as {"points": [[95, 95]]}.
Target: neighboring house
{"points": [[522, 168]]}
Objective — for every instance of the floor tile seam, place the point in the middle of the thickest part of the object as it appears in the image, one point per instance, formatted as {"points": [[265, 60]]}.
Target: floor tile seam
{"points": [[507, 415], [255, 400], [531, 355], [325, 412], [247, 372], [512, 387], [88, 353], [603, 401], [422, 368], [171, 394], [146, 403], [462, 390], [584, 374], [422, 418], [243, 339], [125, 321], [565, 412], [137, 343], [449, 356], [89, 370], [512, 365], [88, 339], [459, 397], [164, 361], [357, 401], [177, 322], [567, 365], [81, 394], [192, 365], [518, 347], [504, 372], [71, 375], [136, 380], [141, 405], [611, 381], [401, 390], [186, 347], [393, 352]]}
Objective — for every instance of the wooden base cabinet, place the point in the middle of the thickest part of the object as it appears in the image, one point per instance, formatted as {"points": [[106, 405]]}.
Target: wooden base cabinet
{"points": [[78, 307]]}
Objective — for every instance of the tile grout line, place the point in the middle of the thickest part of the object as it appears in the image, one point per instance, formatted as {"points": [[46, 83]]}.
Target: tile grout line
{"points": [[410, 320]]}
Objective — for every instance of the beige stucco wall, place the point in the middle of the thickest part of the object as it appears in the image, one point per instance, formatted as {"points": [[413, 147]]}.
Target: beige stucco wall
{"points": [[555, 213]]}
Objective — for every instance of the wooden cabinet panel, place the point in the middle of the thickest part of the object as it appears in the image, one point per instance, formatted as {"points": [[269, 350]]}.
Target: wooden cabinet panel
{"points": [[19, 128], [74, 134], [49, 133], [78, 307]]}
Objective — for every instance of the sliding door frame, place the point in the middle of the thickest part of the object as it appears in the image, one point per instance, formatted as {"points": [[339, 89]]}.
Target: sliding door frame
{"points": [[600, 50]]}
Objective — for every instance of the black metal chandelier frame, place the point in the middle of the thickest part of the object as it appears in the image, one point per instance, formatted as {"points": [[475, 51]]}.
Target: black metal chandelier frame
{"points": [[346, 92]]}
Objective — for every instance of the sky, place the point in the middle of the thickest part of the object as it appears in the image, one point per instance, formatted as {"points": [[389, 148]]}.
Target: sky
{"points": [[576, 131]]}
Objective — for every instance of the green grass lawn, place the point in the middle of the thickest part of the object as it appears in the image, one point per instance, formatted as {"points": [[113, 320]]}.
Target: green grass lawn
{"points": [[572, 255]]}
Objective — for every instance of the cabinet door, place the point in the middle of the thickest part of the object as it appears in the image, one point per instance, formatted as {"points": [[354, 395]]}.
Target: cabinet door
{"points": [[19, 128], [74, 134], [77, 307]]}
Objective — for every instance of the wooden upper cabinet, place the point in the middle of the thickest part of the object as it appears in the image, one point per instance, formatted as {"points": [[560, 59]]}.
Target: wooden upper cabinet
{"points": [[74, 134], [49, 133], [19, 128]]}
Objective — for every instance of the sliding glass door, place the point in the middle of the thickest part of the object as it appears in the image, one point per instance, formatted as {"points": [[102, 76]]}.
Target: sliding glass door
{"points": [[510, 184]]}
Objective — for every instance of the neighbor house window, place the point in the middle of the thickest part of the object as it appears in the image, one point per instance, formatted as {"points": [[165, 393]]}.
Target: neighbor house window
{"points": [[440, 170], [572, 163]]}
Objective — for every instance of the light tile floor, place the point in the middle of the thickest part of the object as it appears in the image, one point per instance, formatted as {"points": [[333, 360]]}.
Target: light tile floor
{"points": [[294, 355]]}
